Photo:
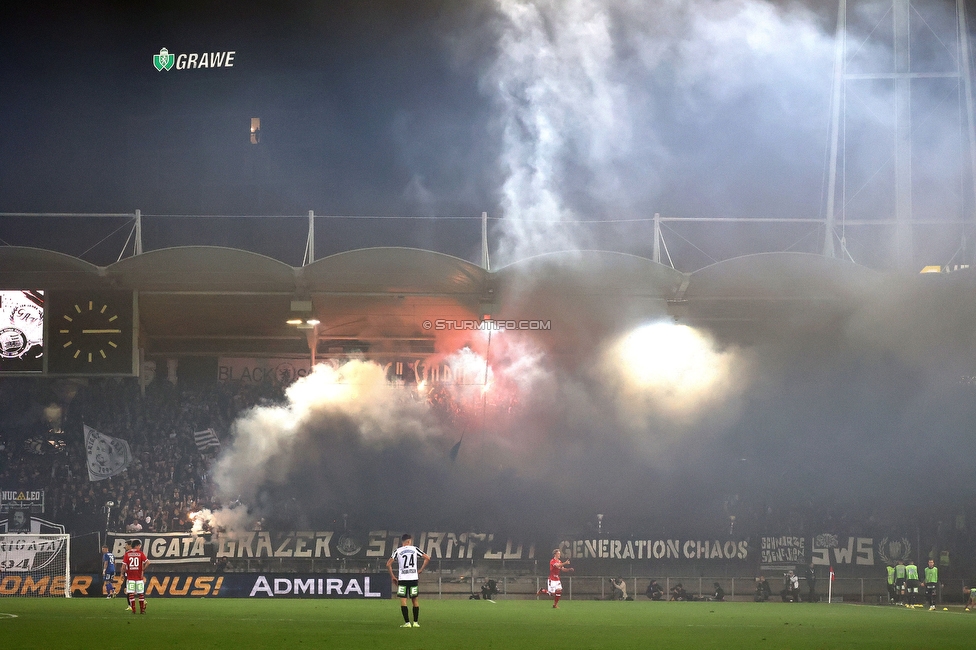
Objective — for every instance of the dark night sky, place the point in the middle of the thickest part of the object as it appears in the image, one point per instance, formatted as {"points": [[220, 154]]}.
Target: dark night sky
{"points": [[89, 125], [439, 108]]}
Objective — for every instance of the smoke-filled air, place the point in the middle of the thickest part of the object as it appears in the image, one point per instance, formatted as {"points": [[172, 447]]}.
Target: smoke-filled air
{"points": [[854, 396]]}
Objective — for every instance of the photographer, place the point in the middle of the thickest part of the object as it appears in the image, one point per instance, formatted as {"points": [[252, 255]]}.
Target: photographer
{"points": [[763, 591], [678, 592], [791, 588], [619, 589], [719, 594], [489, 589], [654, 591]]}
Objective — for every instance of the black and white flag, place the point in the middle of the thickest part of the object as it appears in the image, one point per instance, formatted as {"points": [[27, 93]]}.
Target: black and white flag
{"points": [[107, 456], [206, 440]]}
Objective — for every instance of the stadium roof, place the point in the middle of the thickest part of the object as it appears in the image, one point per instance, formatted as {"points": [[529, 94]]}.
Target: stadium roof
{"points": [[221, 301]]}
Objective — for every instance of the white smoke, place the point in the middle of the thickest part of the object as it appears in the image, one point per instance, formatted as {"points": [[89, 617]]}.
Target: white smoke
{"points": [[264, 440], [560, 106], [587, 91]]}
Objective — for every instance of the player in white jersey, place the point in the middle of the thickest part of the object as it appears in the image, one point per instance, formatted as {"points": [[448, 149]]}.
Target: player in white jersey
{"points": [[407, 579]]}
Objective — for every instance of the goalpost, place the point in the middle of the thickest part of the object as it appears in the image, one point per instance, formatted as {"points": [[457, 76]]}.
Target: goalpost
{"points": [[35, 565]]}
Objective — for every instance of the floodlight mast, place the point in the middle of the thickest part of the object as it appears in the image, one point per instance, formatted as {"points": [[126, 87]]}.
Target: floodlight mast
{"points": [[901, 78], [485, 261], [137, 245], [837, 99], [967, 79]]}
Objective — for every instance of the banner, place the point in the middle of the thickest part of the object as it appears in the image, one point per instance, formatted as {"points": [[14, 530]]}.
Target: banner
{"points": [[107, 456], [373, 586], [20, 499], [21, 331], [656, 549], [290, 585], [782, 552], [206, 440], [256, 371], [414, 369], [27, 553], [828, 548], [373, 544], [182, 548], [19, 521], [785, 552], [165, 548]]}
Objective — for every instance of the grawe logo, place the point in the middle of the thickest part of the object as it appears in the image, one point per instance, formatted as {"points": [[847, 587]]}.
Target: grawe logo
{"points": [[164, 60], [194, 60]]}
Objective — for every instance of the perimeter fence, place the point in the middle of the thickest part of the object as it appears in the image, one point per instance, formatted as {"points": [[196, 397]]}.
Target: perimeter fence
{"points": [[600, 587]]}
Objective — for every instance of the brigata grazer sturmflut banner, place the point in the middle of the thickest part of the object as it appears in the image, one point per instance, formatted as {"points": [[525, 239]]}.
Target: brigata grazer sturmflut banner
{"points": [[183, 548]]}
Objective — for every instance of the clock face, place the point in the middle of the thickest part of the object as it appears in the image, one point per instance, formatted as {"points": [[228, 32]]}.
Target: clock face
{"points": [[90, 333]]}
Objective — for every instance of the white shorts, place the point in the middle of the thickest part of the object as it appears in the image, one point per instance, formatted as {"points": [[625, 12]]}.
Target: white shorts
{"points": [[554, 586], [135, 587]]}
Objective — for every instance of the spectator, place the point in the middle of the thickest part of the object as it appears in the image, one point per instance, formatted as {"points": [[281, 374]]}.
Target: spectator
{"points": [[811, 578]]}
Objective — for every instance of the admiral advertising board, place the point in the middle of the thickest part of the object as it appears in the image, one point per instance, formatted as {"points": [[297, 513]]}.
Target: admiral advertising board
{"points": [[199, 585]]}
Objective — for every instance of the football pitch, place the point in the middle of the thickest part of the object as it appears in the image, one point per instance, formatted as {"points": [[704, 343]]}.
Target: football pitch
{"points": [[508, 624]]}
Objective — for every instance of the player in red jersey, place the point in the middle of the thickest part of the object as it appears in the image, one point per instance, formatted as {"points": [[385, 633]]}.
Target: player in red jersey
{"points": [[554, 587], [135, 564]]}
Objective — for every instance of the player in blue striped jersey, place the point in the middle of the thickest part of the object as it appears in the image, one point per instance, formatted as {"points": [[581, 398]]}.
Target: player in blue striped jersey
{"points": [[108, 572]]}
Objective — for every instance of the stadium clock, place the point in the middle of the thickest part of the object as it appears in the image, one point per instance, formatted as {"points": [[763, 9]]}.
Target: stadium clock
{"points": [[90, 333]]}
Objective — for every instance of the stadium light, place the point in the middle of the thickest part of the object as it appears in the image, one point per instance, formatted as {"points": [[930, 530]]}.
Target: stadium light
{"points": [[301, 315]]}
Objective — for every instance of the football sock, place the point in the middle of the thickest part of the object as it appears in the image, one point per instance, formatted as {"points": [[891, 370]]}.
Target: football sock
{"points": [[555, 600], [406, 614], [142, 603], [416, 613], [132, 602]]}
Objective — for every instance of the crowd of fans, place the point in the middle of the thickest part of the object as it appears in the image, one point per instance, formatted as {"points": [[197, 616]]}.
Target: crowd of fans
{"points": [[169, 476]]}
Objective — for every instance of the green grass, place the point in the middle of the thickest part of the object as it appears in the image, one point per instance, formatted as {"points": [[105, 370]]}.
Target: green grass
{"points": [[217, 623]]}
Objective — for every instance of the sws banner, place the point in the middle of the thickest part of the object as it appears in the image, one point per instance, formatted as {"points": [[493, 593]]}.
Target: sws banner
{"points": [[240, 585], [782, 552]]}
